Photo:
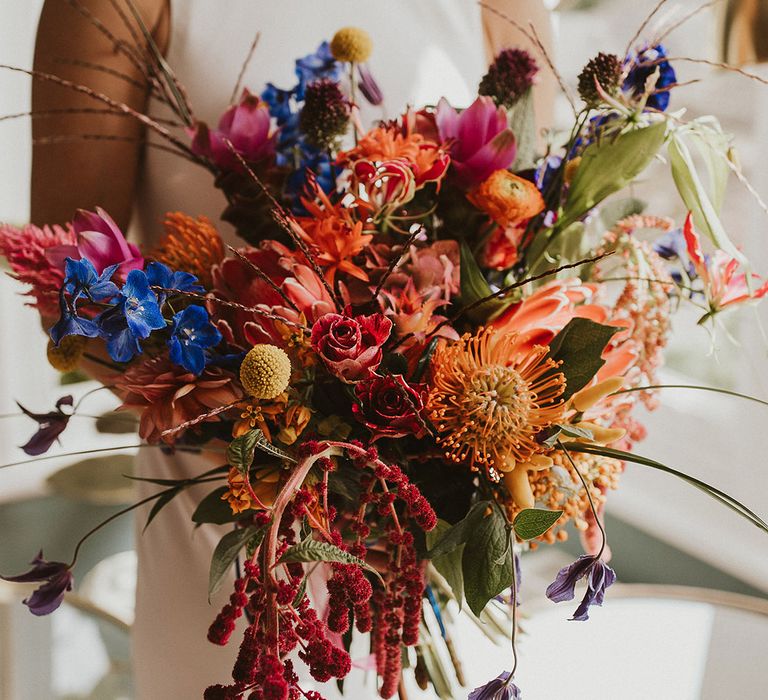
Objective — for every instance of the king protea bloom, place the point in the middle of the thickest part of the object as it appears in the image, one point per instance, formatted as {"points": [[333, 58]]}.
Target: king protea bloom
{"points": [[488, 400]]}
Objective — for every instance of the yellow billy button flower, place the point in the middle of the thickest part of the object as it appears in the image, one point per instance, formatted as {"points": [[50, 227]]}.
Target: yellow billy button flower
{"points": [[265, 372], [351, 45], [66, 357]]}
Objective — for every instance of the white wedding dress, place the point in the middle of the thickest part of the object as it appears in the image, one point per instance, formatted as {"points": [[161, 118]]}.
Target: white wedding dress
{"points": [[423, 50]]}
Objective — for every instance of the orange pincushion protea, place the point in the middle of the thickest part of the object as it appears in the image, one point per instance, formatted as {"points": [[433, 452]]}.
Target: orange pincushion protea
{"points": [[488, 401], [507, 198], [191, 245]]}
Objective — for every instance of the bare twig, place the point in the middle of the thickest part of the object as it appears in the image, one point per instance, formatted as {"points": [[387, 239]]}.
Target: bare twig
{"points": [[244, 67], [202, 417], [643, 25], [554, 70], [395, 262], [263, 276], [74, 138], [684, 19]]}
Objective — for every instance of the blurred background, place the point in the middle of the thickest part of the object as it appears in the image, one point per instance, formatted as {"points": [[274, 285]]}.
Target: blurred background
{"points": [[663, 533]]}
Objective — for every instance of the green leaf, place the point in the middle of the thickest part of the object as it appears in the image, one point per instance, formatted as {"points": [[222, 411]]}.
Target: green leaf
{"points": [[448, 565], [522, 122], [73, 377], [459, 533], [607, 166], [474, 287], [300, 591], [488, 561], [424, 360], [212, 509], [534, 522], [580, 346], [227, 550], [394, 363], [163, 500], [717, 494], [570, 430], [117, 423], [241, 450], [312, 550], [265, 446]]}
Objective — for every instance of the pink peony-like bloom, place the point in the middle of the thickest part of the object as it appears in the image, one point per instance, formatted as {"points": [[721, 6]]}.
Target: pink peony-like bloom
{"points": [[167, 395], [246, 126], [481, 141], [26, 250], [99, 239], [389, 407], [351, 346]]}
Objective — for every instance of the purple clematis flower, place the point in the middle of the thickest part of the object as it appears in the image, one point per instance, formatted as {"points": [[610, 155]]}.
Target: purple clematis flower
{"points": [[246, 126], [50, 426], [500, 688], [191, 335], [481, 140], [599, 577], [100, 240], [57, 578]]}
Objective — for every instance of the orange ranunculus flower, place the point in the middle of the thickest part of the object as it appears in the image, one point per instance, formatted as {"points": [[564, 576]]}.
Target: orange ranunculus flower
{"points": [[507, 198]]}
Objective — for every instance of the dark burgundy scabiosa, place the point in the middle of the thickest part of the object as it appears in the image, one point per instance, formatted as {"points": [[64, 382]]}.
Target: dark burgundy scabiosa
{"points": [[500, 688], [389, 407], [509, 77], [50, 426], [599, 577], [325, 115], [605, 70], [640, 67], [56, 578], [351, 346]]}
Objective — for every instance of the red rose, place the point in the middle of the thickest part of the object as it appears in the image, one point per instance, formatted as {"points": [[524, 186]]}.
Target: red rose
{"points": [[389, 407], [351, 346]]}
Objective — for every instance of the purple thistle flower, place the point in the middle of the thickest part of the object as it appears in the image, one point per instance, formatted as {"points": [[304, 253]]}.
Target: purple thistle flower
{"points": [[50, 426], [599, 577], [500, 688], [56, 578]]}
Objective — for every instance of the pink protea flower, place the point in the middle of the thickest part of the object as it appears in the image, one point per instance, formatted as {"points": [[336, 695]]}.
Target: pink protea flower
{"points": [[167, 395], [481, 141], [99, 239], [26, 250], [246, 125]]}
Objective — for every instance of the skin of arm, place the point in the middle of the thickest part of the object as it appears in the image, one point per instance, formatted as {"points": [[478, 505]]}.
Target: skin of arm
{"points": [[501, 34]]}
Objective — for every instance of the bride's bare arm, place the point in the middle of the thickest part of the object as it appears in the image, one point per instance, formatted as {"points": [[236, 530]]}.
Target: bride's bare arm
{"points": [[67, 171], [502, 34]]}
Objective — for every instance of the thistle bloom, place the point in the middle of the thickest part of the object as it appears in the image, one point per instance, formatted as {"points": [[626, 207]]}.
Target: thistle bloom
{"points": [[500, 688], [488, 400], [191, 334], [100, 240], [246, 126], [480, 138], [599, 577], [50, 426], [509, 77], [56, 578]]}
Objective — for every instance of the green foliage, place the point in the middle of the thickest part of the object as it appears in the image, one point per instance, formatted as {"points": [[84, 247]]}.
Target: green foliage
{"points": [[212, 509], [534, 522], [474, 287], [241, 450], [579, 346], [227, 550], [522, 122], [448, 565], [312, 550], [459, 533]]}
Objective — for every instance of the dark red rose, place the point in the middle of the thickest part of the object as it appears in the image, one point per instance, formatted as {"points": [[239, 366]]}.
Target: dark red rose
{"points": [[389, 407], [351, 346]]}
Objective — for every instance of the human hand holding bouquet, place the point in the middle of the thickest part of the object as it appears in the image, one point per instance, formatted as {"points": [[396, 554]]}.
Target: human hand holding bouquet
{"points": [[417, 359]]}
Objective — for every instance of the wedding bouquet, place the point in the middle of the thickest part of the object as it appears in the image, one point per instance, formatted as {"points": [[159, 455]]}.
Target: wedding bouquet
{"points": [[424, 358]]}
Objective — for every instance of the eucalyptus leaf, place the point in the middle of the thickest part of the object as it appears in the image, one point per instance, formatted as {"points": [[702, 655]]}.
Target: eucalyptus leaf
{"points": [[534, 522], [227, 550], [448, 565], [579, 346], [459, 533], [487, 562], [609, 165]]}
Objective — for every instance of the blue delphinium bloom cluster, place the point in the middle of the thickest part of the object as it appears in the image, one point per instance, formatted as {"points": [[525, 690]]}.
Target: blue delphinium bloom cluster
{"points": [[285, 106], [642, 66], [134, 311]]}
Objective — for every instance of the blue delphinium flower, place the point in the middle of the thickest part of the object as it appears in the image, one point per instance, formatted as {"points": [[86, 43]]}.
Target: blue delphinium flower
{"points": [[133, 318], [314, 66], [70, 323], [81, 278], [643, 65], [159, 275], [191, 334], [500, 688], [599, 577]]}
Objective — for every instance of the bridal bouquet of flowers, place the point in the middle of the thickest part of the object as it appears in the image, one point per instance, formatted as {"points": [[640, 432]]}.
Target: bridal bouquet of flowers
{"points": [[423, 359]]}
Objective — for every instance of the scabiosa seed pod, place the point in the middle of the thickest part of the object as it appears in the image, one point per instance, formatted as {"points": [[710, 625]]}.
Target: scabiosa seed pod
{"points": [[605, 69], [509, 77], [325, 114]]}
